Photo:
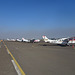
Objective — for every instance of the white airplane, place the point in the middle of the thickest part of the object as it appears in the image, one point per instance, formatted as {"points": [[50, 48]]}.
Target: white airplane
{"points": [[71, 41], [8, 39], [25, 40], [18, 40], [11, 39], [61, 41], [36, 41]]}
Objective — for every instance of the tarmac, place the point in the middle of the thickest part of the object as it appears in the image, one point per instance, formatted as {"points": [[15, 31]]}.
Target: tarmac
{"points": [[37, 59], [6, 66]]}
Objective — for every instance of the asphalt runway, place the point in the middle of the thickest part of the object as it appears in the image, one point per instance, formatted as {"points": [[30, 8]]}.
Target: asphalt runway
{"points": [[6, 66], [39, 59]]}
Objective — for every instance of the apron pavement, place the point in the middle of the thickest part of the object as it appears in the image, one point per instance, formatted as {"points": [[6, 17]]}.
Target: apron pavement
{"points": [[6, 66]]}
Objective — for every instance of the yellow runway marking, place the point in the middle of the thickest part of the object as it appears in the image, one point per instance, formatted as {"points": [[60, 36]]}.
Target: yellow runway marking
{"points": [[22, 72]]}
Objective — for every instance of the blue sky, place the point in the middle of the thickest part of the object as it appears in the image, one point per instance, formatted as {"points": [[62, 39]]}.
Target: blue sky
{"points": [[34, 18]]}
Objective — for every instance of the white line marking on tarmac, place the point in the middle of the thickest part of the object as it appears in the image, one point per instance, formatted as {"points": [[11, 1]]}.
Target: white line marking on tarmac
{"points": [[7, 51], [16, 68]]}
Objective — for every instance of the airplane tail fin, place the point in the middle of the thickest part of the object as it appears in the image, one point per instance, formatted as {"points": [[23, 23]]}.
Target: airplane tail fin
{"points": [[22, 39], [45, 38]]}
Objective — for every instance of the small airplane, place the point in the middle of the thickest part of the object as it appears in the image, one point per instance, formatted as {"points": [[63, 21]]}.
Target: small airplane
{"points": [[62, 41], [11, 39], [25, 40], [36, 41], [18, 40], [71, 41], [8, 39]]}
